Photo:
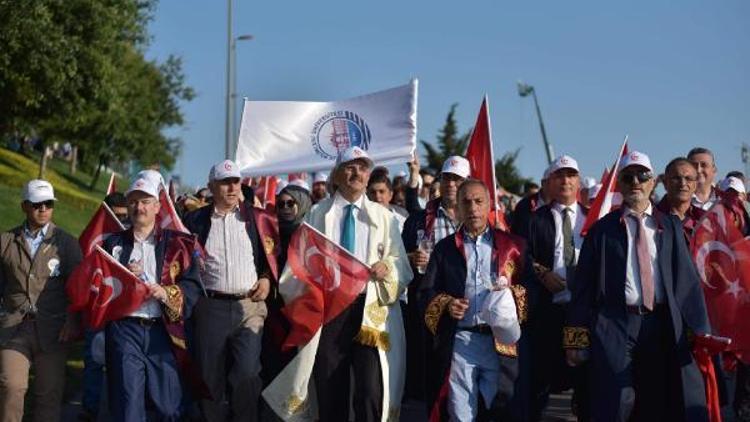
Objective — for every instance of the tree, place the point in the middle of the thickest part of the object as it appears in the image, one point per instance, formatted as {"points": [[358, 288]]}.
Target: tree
{"points": [[448, 142], [507, 173]]}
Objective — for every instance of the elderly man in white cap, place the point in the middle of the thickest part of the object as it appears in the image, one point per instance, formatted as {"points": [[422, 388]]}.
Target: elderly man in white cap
{"points": [[635, 297], [319, 189], [353, 357], [422, 230], [229, 320], [36, 259], [554, 240], [146, 353]]}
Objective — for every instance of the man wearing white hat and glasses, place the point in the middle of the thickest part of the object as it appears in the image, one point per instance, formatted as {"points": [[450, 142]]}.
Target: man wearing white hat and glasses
{"points": [[146, 352], [635, 296], [554, 240], [229, 320], [352, 345], [35, 261]]}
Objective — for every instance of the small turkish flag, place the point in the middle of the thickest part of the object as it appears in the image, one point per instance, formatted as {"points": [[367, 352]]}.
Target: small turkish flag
{"points": [[602, 204], [168, 217], [102, 224], [330, 279], [722, 256], [104, 289]]}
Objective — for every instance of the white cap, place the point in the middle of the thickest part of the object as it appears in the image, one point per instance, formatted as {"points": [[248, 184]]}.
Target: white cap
{"points": [[38, 190], [732, 183], [152, 175], [224, 170], [594, 190], [281, 185], [545, 175], [563, 162], [144, 185], [300, 184], [499, 311], [320, 177], [457, 165], [636, 158], [354, 153], [589, 182]]}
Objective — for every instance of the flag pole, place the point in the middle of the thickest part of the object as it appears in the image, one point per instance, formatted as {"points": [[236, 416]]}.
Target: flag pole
{"points": [[492, 161]]}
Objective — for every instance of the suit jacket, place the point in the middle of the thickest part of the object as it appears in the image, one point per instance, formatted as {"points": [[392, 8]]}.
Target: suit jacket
{"points": [[38, 280], [445, 278], [597, 314], [519, 222]]}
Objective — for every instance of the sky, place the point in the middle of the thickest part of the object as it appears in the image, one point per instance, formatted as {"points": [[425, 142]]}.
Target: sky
{"points": [[672, 75]]}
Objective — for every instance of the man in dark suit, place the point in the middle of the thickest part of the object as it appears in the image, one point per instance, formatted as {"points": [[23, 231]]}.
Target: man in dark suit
{"points": [[554, 241], [635, 296], [519, 220]]}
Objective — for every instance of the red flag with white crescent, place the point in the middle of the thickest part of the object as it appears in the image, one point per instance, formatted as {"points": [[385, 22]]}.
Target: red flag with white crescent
{"points": [[602, 204], [722, 256], [104, 289], [168, 217], [330, 279], [482, 161], [102, 224]]}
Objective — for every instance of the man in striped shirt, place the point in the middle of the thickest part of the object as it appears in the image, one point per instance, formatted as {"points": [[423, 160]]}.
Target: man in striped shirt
{"points": [[229, 320]]}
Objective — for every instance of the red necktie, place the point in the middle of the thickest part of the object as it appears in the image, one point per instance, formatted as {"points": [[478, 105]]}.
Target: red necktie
{"points": [[644, 263]]}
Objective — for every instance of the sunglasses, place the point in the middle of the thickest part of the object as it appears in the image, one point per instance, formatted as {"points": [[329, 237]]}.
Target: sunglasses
{"points": [[47, 204], [640, 176], [286, 204]]}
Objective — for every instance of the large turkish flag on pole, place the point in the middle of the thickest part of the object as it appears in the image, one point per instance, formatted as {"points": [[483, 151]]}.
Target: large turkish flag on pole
{"points": [[102, 224], [104, 289], [482, 161], [330, 279]]}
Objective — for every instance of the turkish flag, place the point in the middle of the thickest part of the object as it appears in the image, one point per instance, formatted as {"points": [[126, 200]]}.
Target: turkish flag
{"points": [[602, 204], [104, 289], [167, 217], [329, 278], [482, 161], [102, 224], [722, 256], [112, 185], [266, 190]]}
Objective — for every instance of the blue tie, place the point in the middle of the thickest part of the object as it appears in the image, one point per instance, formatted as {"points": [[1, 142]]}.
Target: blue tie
{"points": [[347, 230]]}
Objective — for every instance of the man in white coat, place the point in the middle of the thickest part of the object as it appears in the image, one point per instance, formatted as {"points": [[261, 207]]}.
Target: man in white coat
{"points": [[367, 339]]}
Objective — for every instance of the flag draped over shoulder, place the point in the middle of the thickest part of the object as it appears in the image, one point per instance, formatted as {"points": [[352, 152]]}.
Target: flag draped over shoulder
{"points": [[278, 137], [104, 289], [722, 256], [102, 224], [329, 278]]}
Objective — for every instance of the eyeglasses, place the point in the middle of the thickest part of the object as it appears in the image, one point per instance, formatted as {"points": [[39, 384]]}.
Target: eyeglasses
{"points": [[47, 204], [286, 204], [640, 176], [687, 179]]}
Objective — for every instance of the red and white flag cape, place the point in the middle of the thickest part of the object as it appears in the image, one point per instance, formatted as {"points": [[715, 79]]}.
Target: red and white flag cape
{"points": [[482, 161], [102, 224], [602, 204], [104, 289], [329, 277]]}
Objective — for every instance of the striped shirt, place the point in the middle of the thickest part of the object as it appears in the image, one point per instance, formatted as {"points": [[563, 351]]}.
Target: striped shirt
{"points": [[444, 226], [230, 265]]}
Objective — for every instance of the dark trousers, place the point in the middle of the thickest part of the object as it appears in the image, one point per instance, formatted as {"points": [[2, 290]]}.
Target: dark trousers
{"points": [[339, 357], [141, 371], [648, 388]]}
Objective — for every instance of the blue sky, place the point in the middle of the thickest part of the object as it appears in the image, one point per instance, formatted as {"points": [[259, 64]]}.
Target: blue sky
{"points": [[671, 74]]}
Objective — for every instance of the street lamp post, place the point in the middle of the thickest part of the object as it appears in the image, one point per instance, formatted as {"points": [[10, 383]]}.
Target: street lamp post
{"points": [[233, 117], [524, 90], [231, 85]]}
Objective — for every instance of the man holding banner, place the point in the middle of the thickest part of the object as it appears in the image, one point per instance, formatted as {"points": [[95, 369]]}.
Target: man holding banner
{"points": [[367, 337]]}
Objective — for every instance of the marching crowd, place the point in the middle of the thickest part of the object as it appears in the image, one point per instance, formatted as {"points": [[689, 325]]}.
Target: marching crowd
{"points": [[474, 320]]}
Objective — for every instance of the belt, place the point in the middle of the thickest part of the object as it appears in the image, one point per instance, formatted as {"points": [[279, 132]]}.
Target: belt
{"points": [[480, 329], [641, 310], [213, 294], [143, 322]]}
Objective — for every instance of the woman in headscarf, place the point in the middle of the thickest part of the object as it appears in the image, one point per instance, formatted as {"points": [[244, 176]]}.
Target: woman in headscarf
{"points": [[292, 203]]}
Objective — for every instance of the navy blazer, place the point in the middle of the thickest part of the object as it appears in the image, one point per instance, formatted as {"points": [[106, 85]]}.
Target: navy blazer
{"points": [[598, 304]]}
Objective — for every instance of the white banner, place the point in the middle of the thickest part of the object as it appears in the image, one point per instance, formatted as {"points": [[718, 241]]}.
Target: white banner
{"points": [[278, 137]]}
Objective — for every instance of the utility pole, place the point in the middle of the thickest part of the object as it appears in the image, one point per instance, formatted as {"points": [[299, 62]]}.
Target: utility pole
{"points": [[524, 90]]}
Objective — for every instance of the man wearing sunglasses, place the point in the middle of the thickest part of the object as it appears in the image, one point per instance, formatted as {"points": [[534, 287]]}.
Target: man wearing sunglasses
{"points": [[35, 261], [635, 297]]}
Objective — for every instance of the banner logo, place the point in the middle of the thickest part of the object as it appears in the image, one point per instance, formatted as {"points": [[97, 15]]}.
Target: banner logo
{"points": [[338, 130]]}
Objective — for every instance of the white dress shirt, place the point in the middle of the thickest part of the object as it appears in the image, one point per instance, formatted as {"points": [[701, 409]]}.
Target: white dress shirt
{"points": [[144, 253], [712, 199], [230, 264], [633, 296], [361, 227]]}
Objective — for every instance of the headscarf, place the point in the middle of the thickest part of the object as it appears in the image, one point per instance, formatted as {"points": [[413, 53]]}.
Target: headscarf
{"points": [[304, 202]]}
